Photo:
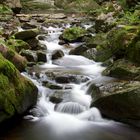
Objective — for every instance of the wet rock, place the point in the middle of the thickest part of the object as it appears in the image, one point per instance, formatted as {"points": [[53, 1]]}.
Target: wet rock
{"points": [[42, 37], [55, 86], [27, 34], [33, 42], [41, 56], [31, 64], [17, 94], [57, 54], [78, 50], [28, 25], [59, 96], [30, 55], [119, 101], [71, 79], [123, 69]]}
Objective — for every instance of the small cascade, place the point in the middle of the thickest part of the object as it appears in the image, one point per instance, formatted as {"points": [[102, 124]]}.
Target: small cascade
{"points": [[70, 108]]}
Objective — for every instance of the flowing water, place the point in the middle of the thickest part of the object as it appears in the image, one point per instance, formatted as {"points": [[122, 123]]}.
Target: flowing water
{"points": [[72, 119]]}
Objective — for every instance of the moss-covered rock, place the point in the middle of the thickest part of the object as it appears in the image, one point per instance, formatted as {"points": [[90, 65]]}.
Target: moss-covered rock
{"points": [[19, 61], [27, 34], [17, 94], [123, 69], [17, 44], [133, 51], [120, 101], [73, 34]]}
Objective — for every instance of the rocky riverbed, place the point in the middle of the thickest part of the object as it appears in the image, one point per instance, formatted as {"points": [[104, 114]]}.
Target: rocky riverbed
{"points": [[73, 62]]}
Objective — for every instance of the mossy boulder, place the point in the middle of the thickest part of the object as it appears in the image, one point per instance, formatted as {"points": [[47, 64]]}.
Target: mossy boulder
{"points": [[19, 61], [17, 44], [73, 34], [99, 48], [119, 101], [17, 94], [123, 69], [26, 34]]}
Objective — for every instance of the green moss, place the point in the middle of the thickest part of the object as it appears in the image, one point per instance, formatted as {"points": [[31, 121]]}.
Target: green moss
{"points": [[17, 44], [73, 33], [5, 10], [7, 68]]}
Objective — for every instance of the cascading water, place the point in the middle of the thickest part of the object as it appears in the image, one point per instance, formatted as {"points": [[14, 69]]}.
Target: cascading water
{"points": [[72, 118]]}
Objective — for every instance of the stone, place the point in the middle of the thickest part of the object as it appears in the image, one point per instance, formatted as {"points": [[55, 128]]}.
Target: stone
{"points": [[26, 34], [17, 94], [29, 55], [19, 61], [123, 69], [17, 44], [28, 25], [57, 54], [41, 56], [73, 34], [33, 42], [120, 101], [78, 50]]}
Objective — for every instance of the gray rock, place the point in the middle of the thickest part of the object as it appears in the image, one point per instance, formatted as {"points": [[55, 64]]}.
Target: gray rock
{"points": [[57, 54], [119, 101], [41, 56]]}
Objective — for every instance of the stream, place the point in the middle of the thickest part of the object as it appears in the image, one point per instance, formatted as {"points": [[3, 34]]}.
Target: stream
{"points": [[72, 119]]}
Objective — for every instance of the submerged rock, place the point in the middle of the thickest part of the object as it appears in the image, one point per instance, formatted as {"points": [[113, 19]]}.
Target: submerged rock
{"points": [[119, 101], [17, 94]]}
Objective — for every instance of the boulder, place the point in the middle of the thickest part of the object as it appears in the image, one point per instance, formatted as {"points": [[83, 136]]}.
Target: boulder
{"points": [[17, 44], [73, 34], [78, 50], [57, 54], [41, 56], [19, 61], [29, 55], [17, 94], [33, 42], [119, 101], [123, 69], [26, 34]]}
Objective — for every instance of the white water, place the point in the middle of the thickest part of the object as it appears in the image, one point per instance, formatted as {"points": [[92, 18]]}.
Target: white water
{"points": [[73, 119]]}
